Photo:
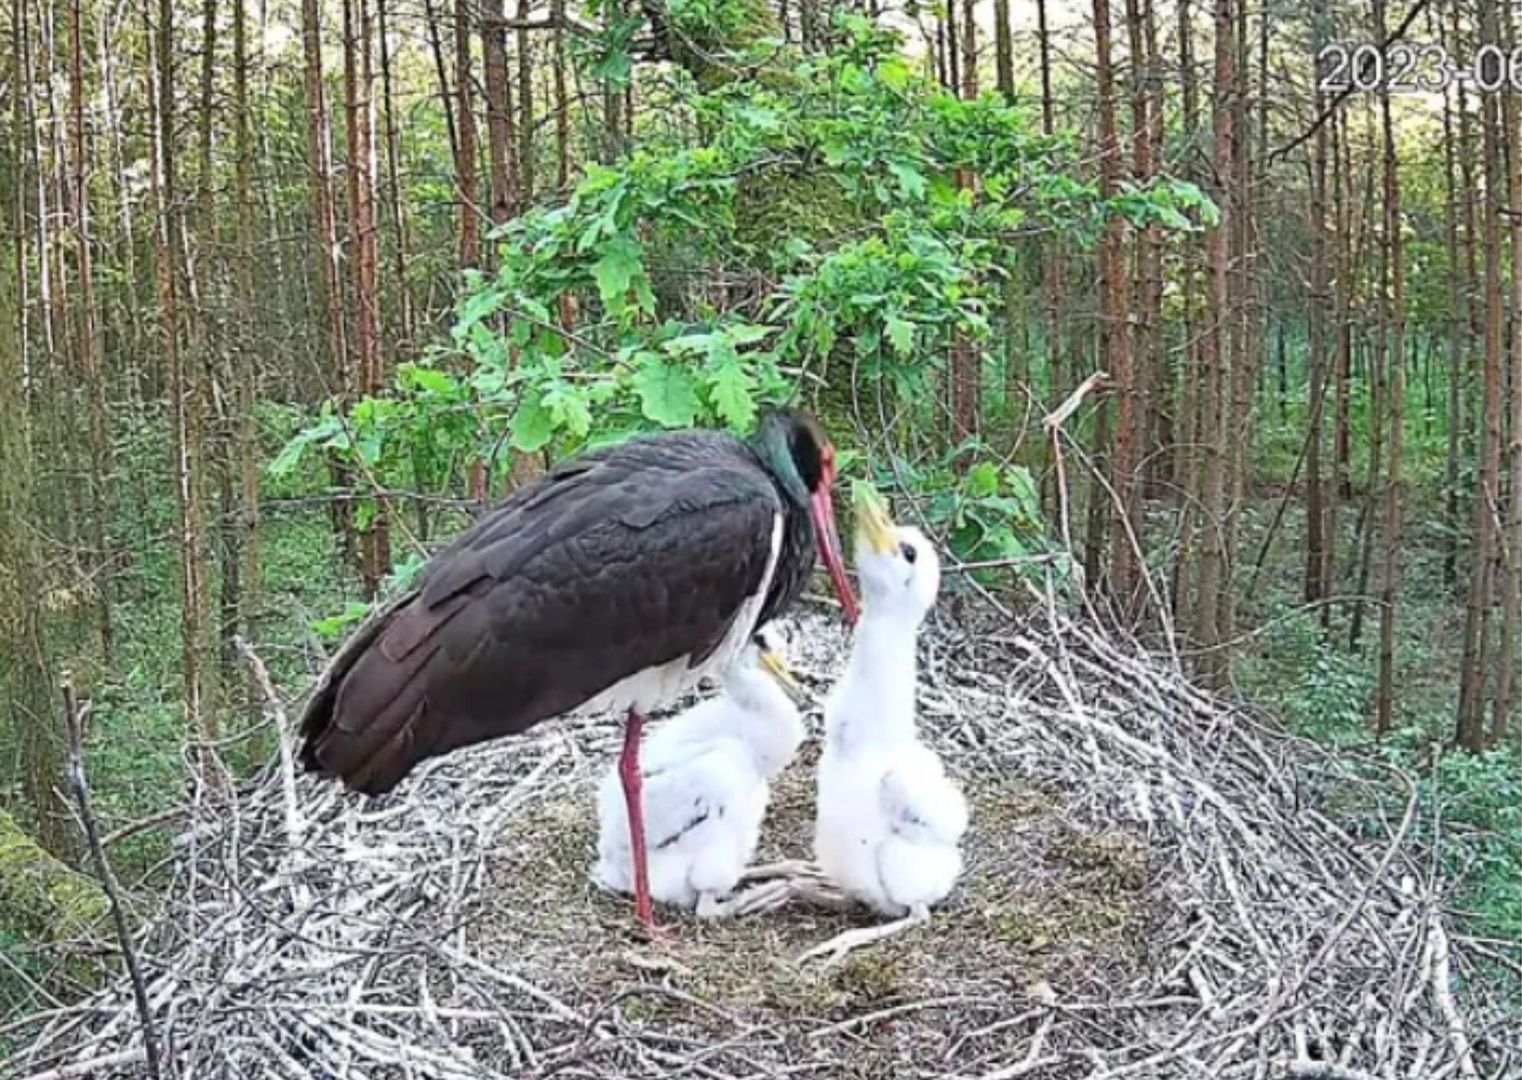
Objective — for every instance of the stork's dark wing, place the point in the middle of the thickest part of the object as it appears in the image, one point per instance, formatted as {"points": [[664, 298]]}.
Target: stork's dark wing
{"points": [[606, 567]]}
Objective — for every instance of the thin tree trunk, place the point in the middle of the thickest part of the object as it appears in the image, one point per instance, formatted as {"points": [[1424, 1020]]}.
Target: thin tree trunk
{"points": [[325, 241], [247, 349], [1379, 374], [1215, 414], [1316, 582], [1004, 50], [612, 100], [1114, 329], [966, 376], [186, 465], [320, 172], [465, 129], [969, 51], [1345, 265], [1158, 382], [562, 101], [396, 201], [953, 47], [500, 147], [1473, 666], [1248, 313], [1395, 249], [359, 95], [208, 350], [441, 71], [88, 338], [1467, 182], [1186, 456], [1456, 335], [1508, 660], [525, 109], [1052, 269]]}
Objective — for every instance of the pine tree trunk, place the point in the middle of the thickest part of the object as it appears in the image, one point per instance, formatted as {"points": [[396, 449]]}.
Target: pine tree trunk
{"points": [[1248, 318], [966, 380], [1395, 249], [1473, 666], [1508, 659], [441, 72], [465, 130], [500, 144], [1052, 268], [325, 242], [1379, 374], [1004, 50], [1456, 335], [359, 101], [1186, 455], [562, 101], [246, 382], [1158, 370], [320, 172], [1316, 583], [1114, 329], [1345, 266], [525, 110], [88, 337], [1216, 408], [612, 99], [396, 200], [212, 362], [186, 463]]}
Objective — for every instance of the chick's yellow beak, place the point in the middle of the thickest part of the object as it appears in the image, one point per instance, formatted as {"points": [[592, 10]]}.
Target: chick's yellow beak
{"points": [[874, 527], [778, 670], [773, 667]]}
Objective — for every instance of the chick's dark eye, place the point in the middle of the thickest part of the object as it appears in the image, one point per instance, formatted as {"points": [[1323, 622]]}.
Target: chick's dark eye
{"points": [[910, 552]]}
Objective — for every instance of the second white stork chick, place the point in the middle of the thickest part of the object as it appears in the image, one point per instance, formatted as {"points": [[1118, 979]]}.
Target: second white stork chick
{"points": [[706, 775], [889, 819]]}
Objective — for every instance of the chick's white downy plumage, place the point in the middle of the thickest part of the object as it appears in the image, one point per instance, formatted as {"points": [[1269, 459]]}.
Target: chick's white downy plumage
{"points": [[706, 774], [889, 819]]}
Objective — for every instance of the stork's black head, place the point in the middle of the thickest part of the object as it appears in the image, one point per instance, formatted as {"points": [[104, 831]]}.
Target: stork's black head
{"points": [[797, 452]]}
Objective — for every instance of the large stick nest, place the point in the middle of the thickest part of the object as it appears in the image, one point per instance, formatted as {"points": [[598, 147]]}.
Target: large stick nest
{"points": [[1152, 891]]}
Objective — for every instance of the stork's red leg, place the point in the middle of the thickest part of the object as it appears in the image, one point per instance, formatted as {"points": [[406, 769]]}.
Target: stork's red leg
{"points": [[629, 773]]}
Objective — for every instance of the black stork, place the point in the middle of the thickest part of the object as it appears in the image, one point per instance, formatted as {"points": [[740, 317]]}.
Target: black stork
{"points": [[618, 579]]}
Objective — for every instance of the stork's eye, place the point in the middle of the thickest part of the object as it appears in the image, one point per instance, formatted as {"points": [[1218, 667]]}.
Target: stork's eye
{"points": [[910, 552]]}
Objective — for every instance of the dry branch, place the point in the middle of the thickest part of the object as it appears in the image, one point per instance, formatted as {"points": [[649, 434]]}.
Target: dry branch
{"points": [[74, 714]]}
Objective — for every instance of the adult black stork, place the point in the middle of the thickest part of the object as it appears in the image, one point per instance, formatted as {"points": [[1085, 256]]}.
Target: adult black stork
{"points": [[617, 579]]}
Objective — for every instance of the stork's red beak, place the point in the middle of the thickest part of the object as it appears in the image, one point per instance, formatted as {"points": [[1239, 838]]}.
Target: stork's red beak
{"points": [[823, 512]]}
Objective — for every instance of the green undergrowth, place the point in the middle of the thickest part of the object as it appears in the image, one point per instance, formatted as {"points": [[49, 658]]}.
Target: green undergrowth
{"points": [[1469, 806]]}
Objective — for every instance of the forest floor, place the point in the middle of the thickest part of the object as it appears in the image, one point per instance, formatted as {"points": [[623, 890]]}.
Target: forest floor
{"points": [[1152, 890]]}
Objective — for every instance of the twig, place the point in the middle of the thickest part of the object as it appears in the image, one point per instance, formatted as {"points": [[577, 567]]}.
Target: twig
{"points": [[152, 821], [1442, 994], [95, 1066], [1327, 1070], [74, 715], [294, 827], [1059, 416], [1053, 425]]}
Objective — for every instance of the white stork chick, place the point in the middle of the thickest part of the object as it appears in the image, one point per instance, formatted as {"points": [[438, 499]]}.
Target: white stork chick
{"points": [[705, 787], [889, 819]]}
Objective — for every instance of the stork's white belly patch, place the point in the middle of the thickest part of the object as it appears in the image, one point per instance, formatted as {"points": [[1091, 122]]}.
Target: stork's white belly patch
{"points": [[655, 686]]}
